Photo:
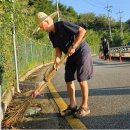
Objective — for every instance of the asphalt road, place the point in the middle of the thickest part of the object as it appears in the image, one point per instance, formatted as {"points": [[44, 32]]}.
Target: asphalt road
{"points": [[109, 94]]}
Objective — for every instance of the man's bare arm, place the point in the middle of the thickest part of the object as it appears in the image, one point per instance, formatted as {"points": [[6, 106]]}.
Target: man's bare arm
{"points": [[58, 55], [79, 37], [77, 41]]}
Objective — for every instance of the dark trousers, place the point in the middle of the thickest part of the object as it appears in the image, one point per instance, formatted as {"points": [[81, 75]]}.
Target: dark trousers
{"points": [[105, 52]]}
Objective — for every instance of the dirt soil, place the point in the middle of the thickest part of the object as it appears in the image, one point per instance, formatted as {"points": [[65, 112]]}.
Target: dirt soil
{"points": [[43, 113]]}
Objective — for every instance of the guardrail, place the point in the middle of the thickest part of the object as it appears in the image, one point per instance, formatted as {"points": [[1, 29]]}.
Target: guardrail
{"points": [[123, 51]]}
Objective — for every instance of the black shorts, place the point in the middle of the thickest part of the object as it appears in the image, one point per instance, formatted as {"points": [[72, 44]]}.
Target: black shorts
{"points": [[81, 63]]}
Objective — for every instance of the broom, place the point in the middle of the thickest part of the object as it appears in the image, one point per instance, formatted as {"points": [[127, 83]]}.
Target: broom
{"points": [[18, 115]]}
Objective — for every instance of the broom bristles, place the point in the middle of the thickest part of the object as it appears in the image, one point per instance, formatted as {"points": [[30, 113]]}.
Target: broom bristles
{"points": [[17, 116]]}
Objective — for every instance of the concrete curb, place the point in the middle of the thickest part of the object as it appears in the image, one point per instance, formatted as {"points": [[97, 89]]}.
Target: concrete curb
{"points": [[5, 100], [25, 76], [8, 95]]}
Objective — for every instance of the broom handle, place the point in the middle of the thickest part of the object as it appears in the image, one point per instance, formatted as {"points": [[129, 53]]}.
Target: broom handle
{"points": [[63, 60], [43, 84], [53, 71]]}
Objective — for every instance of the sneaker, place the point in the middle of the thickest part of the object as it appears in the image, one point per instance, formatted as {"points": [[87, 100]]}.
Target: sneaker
{"points": [[68, 111], [82, 112]]}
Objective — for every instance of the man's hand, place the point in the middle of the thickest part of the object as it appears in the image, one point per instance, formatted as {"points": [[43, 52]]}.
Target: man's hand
{"points": [[35, 93], [56, 63], [71, 50]]}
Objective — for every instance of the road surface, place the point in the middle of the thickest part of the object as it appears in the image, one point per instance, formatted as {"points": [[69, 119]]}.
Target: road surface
{"points": [[109, 94]]}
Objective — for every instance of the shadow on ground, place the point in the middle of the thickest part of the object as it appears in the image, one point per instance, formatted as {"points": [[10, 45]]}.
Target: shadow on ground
{"points": [[97, 92], [119, 121]]}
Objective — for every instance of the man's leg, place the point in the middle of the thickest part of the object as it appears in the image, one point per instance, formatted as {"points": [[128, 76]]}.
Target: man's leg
{"points": [[83, 109], [105, 53], [84, 90], [84, 73], [71, 93], [70, 69], [72, 108]]}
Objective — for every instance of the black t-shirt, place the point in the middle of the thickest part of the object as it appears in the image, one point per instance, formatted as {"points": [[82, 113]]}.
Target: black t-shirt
{"points": [[64, 36]]}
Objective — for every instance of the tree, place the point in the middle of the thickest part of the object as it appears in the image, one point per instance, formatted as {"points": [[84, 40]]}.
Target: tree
{"points": [[128, 22], [87, 20], [101, 23]]}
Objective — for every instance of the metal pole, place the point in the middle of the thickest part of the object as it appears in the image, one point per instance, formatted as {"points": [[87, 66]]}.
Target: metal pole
{"points": [[57, 5], [57, 9], [110, 26], [121, 27], [108, 8], [15, 53], [26, 56], [31, 53]]}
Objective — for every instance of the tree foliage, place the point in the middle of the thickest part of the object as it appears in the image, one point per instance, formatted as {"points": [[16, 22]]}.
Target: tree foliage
{"points": [[87, 20]]}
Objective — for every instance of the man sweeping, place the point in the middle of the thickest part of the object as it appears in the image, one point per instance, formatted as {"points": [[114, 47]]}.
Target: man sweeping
{"points": [[68, 37]]}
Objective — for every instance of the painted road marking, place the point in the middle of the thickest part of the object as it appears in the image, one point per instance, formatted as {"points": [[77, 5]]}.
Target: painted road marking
{"points": [[73, 122]]}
